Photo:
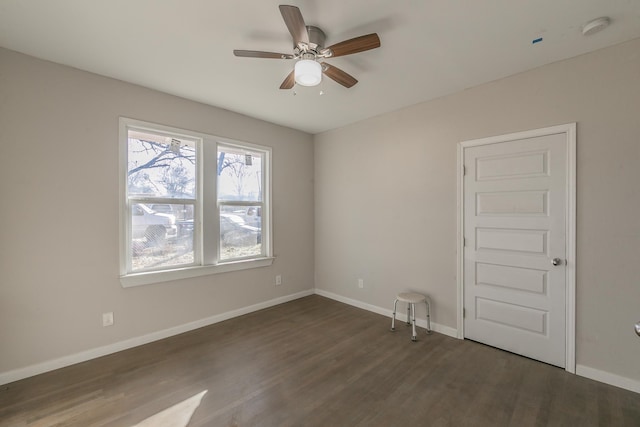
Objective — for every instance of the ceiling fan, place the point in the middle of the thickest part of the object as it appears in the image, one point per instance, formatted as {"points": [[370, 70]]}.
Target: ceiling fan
{"points": [[309, 50]]}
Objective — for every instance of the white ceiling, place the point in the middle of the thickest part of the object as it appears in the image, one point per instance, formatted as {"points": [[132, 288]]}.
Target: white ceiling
{"points": [[429, 48]]}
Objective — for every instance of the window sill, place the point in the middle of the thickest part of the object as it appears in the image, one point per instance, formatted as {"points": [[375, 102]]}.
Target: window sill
{"points": [[139, 279]]}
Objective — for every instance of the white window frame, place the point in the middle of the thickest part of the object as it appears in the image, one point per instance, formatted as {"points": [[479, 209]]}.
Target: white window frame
{"points": [[206, 232]]}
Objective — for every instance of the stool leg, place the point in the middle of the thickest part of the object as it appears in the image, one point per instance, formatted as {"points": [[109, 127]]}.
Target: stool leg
{"points": [[393, 318], [426, 301], [414, 337], [408, 314]]}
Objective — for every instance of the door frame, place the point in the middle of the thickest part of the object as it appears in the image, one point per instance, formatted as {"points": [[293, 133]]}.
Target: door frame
{"points": [[569, 130]]}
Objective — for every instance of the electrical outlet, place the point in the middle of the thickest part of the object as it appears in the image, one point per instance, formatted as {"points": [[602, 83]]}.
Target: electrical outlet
{"points": [[278, 280], [361, 283], [107, 319]]}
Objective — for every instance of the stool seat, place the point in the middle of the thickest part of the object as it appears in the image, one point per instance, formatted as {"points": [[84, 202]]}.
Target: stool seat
{"points": [[411, 299]]}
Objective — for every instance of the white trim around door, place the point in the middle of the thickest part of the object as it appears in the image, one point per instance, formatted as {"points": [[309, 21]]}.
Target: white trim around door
{"points": [[569, 130]]}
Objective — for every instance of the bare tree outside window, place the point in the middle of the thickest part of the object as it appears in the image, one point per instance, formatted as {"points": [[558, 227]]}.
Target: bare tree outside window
{"points": [[158, 169]]}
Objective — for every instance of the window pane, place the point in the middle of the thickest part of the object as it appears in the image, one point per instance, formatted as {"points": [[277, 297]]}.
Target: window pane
{"points": [[161, 235], [160, 166], [239, 174], [240, 231]]}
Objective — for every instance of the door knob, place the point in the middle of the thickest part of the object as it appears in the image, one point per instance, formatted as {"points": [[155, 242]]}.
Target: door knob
{"points": [[556, 261], [638, 329]]}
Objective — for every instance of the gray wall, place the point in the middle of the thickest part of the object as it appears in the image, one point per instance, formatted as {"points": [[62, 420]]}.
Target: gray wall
{"points": [[59, 216], [385, 195]]}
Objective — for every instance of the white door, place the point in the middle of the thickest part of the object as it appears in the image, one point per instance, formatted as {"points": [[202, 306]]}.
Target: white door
{"points": [[514, 252]]}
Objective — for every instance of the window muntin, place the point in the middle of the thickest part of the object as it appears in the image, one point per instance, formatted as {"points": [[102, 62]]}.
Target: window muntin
{"points": [[216, 217]]}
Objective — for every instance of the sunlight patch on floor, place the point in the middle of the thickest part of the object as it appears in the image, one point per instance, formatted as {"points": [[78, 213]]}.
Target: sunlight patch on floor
{"points": [[177, 415]]}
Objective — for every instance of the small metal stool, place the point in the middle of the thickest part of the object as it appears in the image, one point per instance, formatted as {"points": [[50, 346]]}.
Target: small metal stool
{"points": [[411, 298]]}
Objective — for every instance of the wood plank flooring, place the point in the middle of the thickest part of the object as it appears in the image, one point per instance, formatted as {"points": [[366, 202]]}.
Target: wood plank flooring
{"points": [[316, 362]]}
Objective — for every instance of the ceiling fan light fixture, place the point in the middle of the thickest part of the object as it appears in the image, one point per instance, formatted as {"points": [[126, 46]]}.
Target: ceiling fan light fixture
{"points": [[308, 72]]}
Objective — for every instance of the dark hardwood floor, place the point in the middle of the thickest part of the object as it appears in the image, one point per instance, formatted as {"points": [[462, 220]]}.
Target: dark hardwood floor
{"points": [[316, 362]]}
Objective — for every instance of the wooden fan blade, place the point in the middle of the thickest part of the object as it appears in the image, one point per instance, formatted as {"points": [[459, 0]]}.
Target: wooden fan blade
{"points": [[295, 23], [338, 75], [260, 54], [355, 45], [289, 81]]}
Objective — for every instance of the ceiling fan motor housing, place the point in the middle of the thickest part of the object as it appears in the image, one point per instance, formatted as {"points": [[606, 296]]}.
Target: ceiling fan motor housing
{"points": [[316, 42]]}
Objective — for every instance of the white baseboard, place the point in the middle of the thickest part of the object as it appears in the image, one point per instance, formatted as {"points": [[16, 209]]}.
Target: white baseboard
{"points": [[446, 330], [608, 378], [29, 371]]}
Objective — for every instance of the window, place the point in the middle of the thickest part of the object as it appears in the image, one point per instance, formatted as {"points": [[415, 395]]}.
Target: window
{"points": [[161, 200], [240, 201], [192, 204]]}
